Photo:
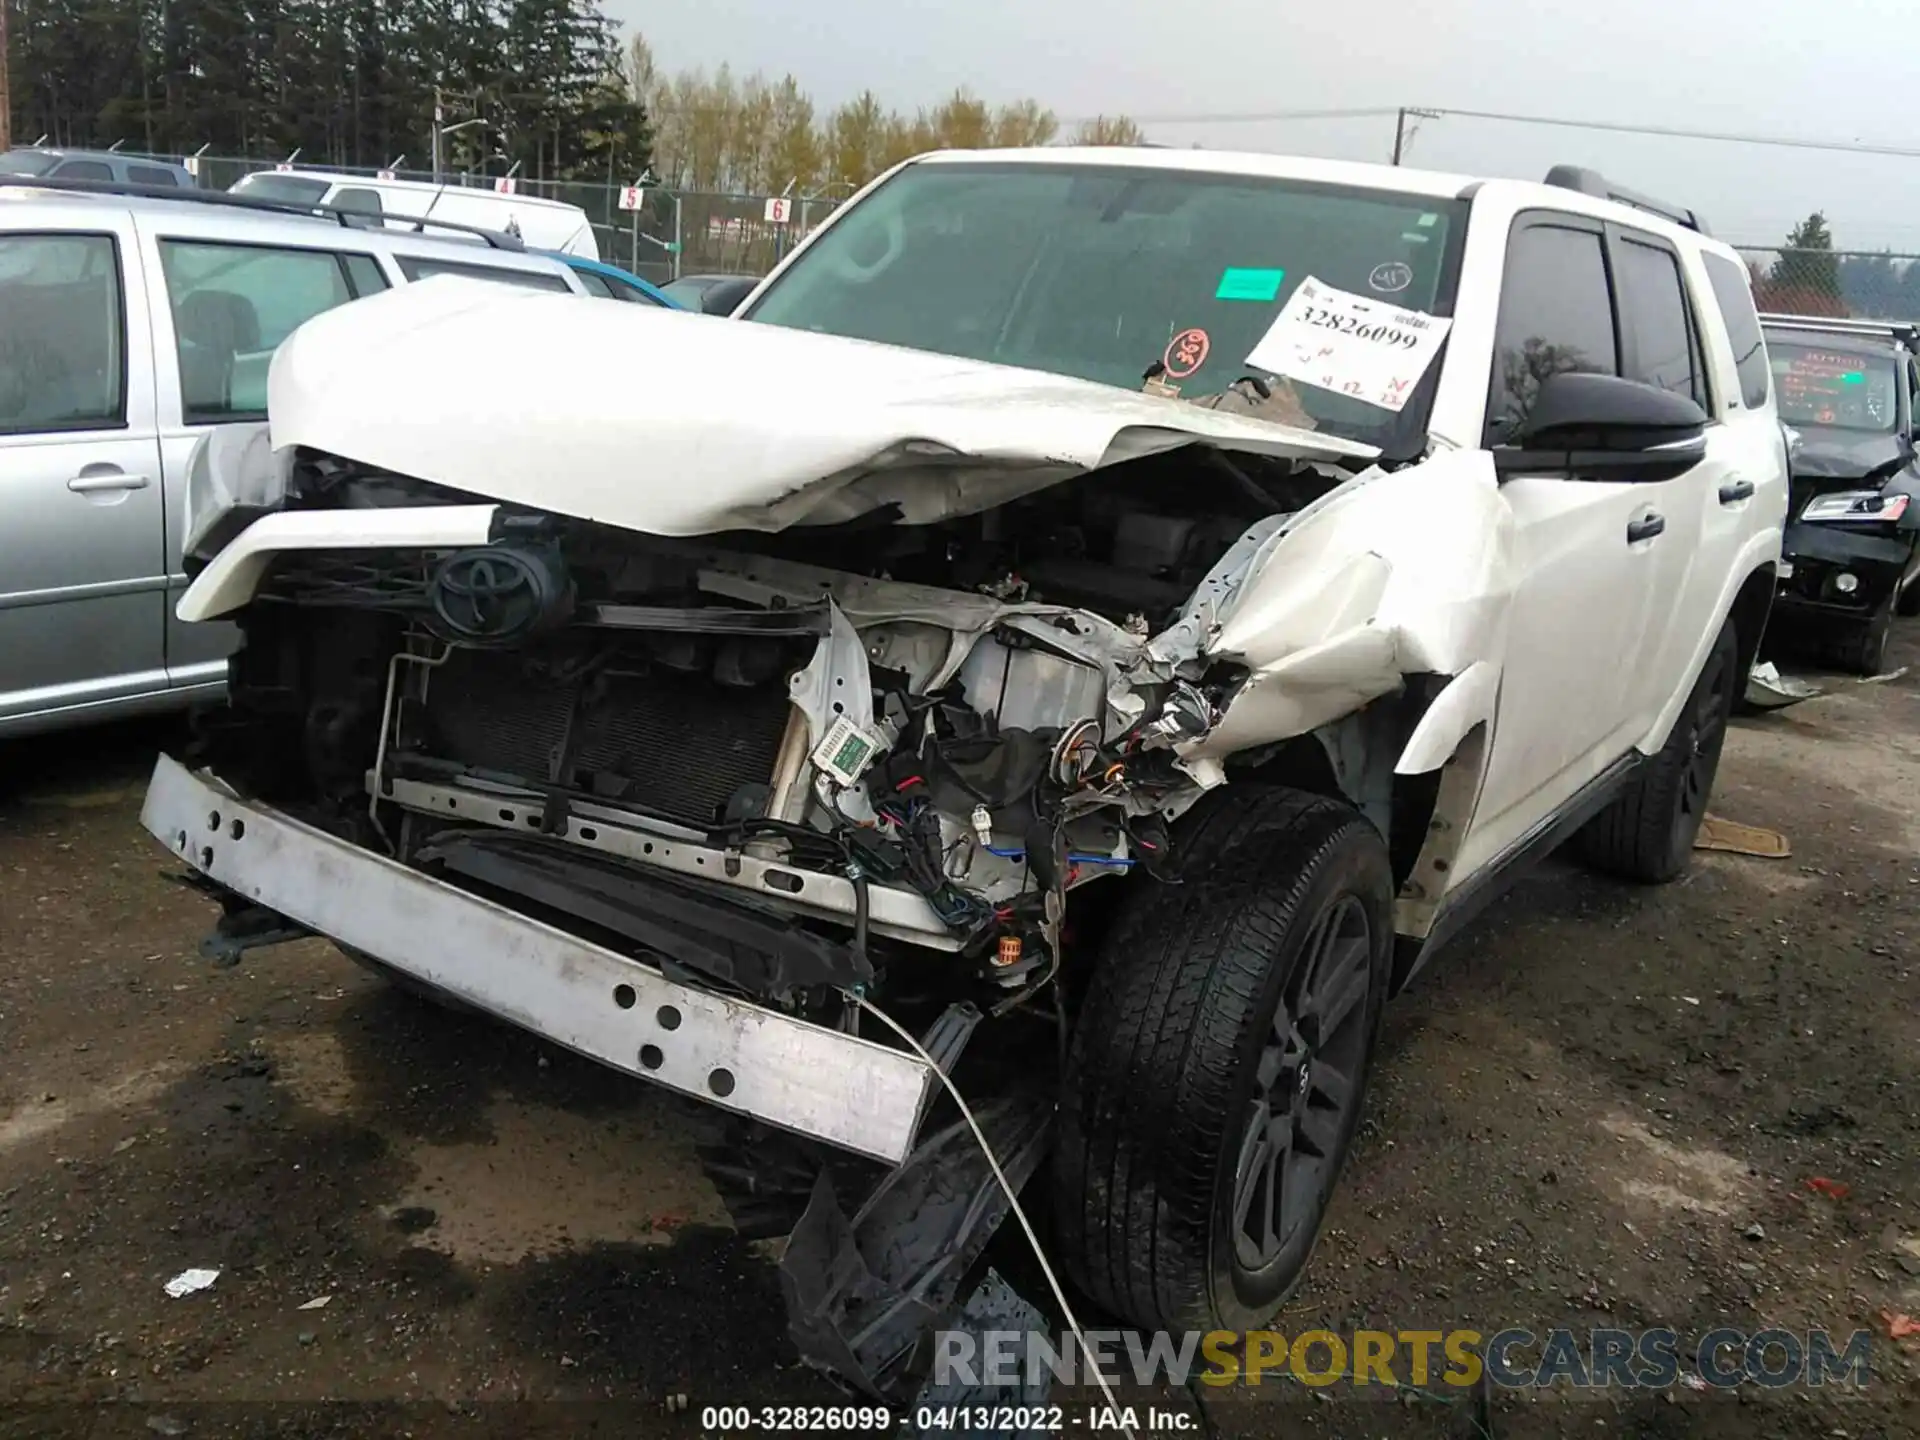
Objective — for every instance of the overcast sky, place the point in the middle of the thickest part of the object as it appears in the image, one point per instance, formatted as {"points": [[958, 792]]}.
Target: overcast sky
{"points": [[1835, 70]]}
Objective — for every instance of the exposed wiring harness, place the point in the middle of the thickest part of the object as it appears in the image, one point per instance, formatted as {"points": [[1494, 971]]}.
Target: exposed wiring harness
{"points": [[1073, 857]]}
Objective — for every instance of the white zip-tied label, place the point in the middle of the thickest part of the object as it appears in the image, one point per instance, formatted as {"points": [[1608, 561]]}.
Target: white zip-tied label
{"points": [[1336, 340]]}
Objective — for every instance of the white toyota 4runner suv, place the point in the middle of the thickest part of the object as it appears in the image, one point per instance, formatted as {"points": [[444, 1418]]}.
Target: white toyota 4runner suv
{"points": [[1103, 614]]}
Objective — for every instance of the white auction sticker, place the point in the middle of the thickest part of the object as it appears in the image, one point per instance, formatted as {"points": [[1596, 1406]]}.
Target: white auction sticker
{"points": [[1336, 340]]}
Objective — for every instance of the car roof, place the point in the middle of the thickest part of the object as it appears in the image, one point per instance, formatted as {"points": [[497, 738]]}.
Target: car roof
{"points": [[69, 153], [423, 187], [188, 215], [1811, 332], [1356, 174]]}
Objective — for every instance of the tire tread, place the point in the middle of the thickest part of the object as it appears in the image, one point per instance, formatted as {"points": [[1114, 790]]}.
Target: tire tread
{"points": [[1150, 1094]]}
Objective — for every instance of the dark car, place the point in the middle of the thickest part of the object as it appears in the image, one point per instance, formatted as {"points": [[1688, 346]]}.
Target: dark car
{"points": [[710, 294], [1852, 549], [48, 163]]}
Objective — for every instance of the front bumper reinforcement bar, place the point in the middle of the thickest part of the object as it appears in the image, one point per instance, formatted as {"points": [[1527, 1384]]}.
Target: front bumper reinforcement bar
{"points": [[849, 1092]]}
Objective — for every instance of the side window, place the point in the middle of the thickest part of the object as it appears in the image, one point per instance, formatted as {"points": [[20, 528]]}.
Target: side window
{"points": [[365, 275], [84, 170], [232, 306], [357, 200], [1662, 348], [1556, 314], [152, 175], [62, 334], [598, 286], [1734, 295], [415, 267]]}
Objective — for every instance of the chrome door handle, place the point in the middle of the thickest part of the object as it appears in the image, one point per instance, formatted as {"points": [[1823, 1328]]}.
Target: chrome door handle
{"points": [[94, 484]]}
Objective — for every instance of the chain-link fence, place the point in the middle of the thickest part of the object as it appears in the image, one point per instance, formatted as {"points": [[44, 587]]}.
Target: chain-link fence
{"points": [[1866, 285], [695, 232], [671, 233]]}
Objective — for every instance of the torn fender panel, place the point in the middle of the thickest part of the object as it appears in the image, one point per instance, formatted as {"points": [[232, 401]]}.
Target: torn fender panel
{"points": [[669, 424], [1444, 535], [1395, 574], [231, 577], [1469, 700], [1305, 690]]}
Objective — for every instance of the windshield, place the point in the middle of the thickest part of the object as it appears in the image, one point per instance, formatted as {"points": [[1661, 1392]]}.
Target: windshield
{"points": [[28, 162], [1834, 389], [1095, 271], [292, 189]]}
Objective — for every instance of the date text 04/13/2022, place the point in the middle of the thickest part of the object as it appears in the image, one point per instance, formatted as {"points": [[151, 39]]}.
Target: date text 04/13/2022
{"points": [[1095, 1419]]}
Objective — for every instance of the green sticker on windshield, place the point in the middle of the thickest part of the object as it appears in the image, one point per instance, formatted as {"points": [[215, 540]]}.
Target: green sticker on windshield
{"points": [[1238, 284], [1853, 377]]}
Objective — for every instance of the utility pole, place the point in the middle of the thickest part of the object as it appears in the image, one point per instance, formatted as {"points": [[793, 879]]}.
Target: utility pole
{"points": [[1402, 136], [6, 93], [438, 117]]}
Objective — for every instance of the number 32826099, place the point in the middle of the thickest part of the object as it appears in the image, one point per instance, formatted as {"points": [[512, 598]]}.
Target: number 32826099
{"points": [[1380, 334]]}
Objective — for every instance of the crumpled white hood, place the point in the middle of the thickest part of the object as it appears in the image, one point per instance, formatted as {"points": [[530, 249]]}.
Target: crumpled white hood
{"points": [[682, 424]]}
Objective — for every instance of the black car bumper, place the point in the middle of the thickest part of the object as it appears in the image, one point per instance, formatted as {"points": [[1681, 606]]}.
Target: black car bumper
{"points": [[1817, 556]]}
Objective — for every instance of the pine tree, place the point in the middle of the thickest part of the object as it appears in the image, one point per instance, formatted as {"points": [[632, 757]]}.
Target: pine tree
{"points": [[1808, 272]]}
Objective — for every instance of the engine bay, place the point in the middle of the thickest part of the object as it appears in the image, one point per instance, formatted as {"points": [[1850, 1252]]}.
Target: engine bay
{"points": [[836, 740]]}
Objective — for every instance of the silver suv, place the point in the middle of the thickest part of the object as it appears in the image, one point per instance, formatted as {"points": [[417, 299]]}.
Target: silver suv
{"points": [[130, 325]]}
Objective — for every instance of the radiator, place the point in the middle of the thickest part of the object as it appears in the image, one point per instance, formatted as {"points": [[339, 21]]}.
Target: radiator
{"points": [[665, 742]]}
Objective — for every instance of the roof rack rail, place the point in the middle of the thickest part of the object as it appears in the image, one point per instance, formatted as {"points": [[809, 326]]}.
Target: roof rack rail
{"points": [[352, 219], [1592, 182], [1905, 331]]}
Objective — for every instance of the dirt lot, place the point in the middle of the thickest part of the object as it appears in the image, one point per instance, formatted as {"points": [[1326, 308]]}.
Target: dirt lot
{"points": [[1603, 1109]]}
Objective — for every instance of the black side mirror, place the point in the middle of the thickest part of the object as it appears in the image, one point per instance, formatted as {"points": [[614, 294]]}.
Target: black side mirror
{"points": [[725, 298], [1602, 427]]}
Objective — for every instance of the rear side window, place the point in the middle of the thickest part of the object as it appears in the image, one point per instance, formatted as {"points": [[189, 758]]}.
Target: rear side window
{"points": [[1733, 293], [152, 175], [292, 189], [62, 334], [598, 286], [416, 267], [232, 306], [1556, 314], [365, 275], [1662, 349], [357, 200], [84, 170]]}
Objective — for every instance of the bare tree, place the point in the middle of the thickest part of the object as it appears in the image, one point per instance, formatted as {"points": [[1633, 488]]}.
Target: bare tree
{"points": [[1024, 123], [963, 122], [722, 132], [1109, 130], [856, 141]]}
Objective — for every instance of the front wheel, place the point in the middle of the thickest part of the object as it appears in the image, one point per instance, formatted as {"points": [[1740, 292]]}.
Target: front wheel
{"points": [[1219, 1061], [1648, 830]]}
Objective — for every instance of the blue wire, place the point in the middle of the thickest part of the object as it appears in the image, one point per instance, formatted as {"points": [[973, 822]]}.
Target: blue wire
{"points": [[1071, 859]]}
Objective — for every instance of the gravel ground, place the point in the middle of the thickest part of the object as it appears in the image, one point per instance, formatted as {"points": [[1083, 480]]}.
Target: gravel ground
{"points": [[1603, 1108]]}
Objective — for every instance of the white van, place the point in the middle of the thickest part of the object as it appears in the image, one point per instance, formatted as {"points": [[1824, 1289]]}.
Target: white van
{"points": [[543, 224]]}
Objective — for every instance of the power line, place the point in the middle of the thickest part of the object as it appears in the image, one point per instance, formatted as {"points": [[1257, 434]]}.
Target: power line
{"points": [[1671, 132], [1372, 113], [1674, 133]]}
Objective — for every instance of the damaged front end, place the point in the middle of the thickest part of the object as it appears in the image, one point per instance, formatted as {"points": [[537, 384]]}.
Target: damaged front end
{"points": [[774, 760], [736, 784]]}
